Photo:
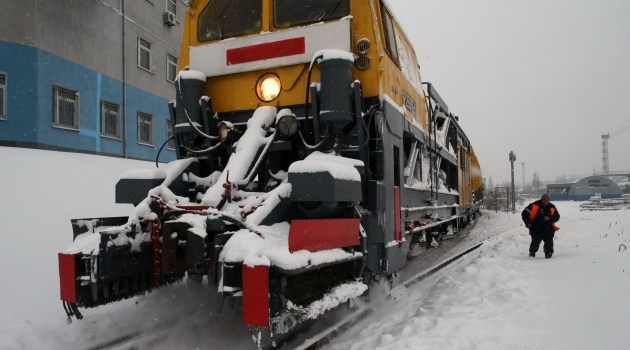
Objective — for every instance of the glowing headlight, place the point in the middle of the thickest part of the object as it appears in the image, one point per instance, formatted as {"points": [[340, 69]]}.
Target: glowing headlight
{"points": [[287, 125], [268, 87], [225, 129]]}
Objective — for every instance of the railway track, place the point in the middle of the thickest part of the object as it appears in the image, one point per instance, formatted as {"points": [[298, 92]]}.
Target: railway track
{"points": [[324, 337], [313, 335]]}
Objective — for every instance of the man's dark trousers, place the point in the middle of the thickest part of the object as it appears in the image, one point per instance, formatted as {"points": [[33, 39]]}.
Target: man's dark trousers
{"points": [[537, 238]]}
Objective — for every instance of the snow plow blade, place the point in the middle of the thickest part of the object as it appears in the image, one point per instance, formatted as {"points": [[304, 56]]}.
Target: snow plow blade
{"points": [[108, 270]]}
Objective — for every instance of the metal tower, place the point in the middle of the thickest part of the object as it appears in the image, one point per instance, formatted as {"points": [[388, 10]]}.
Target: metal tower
{"points": [[512, 160], [605, 164]]}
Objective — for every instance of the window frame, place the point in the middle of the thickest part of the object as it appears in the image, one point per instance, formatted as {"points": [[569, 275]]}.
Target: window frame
{"points": [[168, 63], [118, 135], [174, 2], [170, 145], [305, 23], [4, 104], [140, 48], [151, 131], [55, 109], [385, 14], [200, 23]]}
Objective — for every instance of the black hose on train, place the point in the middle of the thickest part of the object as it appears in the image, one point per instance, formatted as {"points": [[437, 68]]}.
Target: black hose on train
{"points": [[307, 95], [160, 150]]}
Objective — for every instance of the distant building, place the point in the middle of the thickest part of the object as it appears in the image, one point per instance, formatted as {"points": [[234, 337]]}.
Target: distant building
{"points": [[91, 76], [584, 189]]}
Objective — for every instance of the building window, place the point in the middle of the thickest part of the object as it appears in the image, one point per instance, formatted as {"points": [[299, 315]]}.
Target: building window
{"points": [[3, 96], [65, 108], [171, 6], [144, 54], [145, 128], [169, 134], [171, 68], [110, 119]]}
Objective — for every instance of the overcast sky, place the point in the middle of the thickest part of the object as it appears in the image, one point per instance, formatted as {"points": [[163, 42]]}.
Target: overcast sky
{"points": [[542, 78]]}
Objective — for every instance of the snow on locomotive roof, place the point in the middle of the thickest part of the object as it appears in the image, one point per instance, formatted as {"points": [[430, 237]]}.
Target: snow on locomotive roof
{"points": [[317, 155], [331, 54], [337, 170], [191, 74]]}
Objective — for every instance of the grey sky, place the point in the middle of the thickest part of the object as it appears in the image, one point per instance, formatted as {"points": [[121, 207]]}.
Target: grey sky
{"points": [[542, 78]]}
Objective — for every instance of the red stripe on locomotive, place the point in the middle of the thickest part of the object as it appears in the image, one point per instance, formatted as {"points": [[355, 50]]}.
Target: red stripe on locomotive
{"points": [[275, 49]]}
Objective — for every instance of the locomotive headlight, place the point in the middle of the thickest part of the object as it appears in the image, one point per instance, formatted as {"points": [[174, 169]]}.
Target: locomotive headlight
{"points": [[225, 129], [268, 87], [287, 124]]}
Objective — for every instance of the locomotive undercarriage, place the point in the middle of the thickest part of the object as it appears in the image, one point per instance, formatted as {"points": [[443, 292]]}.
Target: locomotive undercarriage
{"points": [[204, 215]]}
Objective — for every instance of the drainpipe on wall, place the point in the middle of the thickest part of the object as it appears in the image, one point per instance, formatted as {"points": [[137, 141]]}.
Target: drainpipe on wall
{"points": [[124, 83]]}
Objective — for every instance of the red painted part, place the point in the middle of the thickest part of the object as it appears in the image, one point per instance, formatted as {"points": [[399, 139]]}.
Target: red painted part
{"points": [[275, 49], [256, 295], [169, 207], [157, 258], [193, 207], [321, 234], [67, 278], [397, 230], [412, 225], [245, 214]]}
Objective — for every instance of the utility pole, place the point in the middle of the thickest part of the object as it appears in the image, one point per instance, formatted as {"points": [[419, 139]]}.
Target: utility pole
{"points": [[523, 169], [605, 164], [512, 160]]}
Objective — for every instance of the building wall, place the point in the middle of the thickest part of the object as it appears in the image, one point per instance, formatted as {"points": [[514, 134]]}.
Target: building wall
{"points": [[79, 45], [19, 62]]}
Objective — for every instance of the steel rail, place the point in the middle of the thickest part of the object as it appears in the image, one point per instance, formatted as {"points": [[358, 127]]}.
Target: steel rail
{"points": [[324, 337]]}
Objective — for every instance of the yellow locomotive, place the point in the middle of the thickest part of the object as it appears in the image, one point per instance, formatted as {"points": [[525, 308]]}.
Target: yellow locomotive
{"points": [[311, 156]]}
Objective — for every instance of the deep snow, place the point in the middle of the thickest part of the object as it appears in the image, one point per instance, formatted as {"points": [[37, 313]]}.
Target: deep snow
{"points": [[499, 298], [495, 298]]}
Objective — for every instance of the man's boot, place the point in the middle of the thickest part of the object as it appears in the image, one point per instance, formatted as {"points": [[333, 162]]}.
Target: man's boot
{"points": [[548, 255], [532, 255]]}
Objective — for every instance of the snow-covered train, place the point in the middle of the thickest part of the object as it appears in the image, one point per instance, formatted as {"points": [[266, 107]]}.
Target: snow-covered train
{"points": [[311, 157]]}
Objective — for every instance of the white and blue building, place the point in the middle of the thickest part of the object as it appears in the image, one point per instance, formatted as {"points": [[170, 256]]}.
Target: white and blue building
{"points": [[90, 76], [584, 189]]}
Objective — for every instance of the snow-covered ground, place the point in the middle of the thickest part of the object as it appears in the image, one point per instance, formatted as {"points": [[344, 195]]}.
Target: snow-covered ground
{"points": [[499, 298], [495, 298]]}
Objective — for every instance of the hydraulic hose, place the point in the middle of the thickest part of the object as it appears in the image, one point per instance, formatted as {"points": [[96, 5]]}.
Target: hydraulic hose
{"points": [[160, 151], [209, 137], [203, 151]]}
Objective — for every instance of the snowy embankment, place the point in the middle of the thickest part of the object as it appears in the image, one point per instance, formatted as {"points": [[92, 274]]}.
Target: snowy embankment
{"points": [[499, 298], [41, 191]]}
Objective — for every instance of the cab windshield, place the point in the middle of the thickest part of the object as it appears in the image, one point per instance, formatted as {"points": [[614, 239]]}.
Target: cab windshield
{"points": [[289, 13], [222, 19]]}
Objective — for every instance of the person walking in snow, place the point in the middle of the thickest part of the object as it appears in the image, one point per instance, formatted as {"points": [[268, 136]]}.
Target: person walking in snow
{"points": [[540, 218]]}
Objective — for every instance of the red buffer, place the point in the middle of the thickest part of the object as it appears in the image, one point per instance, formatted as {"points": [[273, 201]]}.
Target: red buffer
{"points": [[256, 295], [67, 278]]}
